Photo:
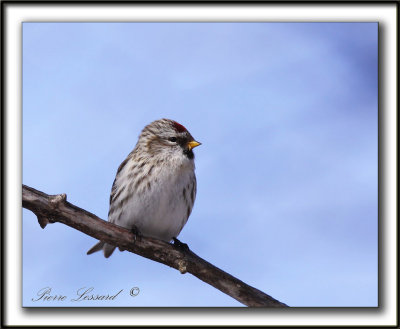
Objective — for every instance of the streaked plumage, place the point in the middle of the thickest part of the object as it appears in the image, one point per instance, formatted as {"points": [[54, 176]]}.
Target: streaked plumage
{"points": [[155, 186]]}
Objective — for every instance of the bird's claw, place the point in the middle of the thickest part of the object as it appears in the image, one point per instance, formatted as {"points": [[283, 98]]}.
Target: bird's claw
{"points": [[136, 234], [180, 244]]}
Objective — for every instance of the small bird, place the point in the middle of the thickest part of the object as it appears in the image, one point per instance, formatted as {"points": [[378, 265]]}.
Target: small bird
{"points": [[155, 186]]}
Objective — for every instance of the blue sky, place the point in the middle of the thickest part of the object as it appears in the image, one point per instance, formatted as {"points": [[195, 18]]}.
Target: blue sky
{"points": [[287, 171]]}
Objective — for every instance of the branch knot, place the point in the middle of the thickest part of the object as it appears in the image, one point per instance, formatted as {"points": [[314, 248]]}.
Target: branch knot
{"points": [[55, 200], [182, 266]]}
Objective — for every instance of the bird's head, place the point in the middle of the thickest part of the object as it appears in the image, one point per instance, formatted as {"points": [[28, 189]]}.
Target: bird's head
{"points": [[165, 137]]}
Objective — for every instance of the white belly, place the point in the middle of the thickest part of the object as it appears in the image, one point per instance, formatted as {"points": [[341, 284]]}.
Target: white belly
{"points": [[162, 210]]}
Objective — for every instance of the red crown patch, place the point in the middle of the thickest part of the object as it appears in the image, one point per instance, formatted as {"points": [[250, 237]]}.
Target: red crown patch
{"points": [[179, 127]]}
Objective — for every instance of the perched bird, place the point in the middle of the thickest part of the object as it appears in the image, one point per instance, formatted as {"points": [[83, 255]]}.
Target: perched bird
{"points": [[155, 186]]}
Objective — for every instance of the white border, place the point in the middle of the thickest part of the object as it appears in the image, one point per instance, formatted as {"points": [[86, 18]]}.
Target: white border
{"points": [[15, 14]]}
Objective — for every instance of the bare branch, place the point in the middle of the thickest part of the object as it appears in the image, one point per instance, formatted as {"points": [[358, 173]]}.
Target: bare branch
{"points": [[55, 208]]}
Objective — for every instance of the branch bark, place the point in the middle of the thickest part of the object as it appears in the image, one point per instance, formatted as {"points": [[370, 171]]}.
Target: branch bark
{"points": [[55, 208]]}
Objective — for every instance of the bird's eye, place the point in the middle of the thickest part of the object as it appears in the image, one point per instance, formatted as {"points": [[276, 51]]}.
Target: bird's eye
{"points": [[172, 139]]}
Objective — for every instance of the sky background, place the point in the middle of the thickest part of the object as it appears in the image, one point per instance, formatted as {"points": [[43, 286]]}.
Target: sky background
{"points": [[287, 170]]}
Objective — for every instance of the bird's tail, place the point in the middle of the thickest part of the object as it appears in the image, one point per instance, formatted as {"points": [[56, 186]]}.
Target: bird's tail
{"points": [[108, 249]]}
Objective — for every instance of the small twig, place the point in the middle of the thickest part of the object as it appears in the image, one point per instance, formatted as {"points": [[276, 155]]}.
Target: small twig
{"points": [[55, 208]]}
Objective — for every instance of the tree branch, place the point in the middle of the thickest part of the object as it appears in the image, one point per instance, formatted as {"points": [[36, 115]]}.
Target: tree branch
{"points": [[55, 208]]}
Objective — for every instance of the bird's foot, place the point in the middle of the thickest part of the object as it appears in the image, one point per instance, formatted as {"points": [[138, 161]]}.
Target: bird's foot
{"points": [[136, 233], [180, 244], [136, 236]]}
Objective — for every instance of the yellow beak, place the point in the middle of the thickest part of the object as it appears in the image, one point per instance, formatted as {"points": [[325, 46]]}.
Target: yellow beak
{"points": [[193, 144]]}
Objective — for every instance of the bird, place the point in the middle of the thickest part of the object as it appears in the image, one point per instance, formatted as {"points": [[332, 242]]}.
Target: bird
{"points": [[155, 187]]}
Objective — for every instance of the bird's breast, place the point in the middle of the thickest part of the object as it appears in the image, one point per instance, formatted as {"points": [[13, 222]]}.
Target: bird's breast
{"points": [[161, 204]]}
